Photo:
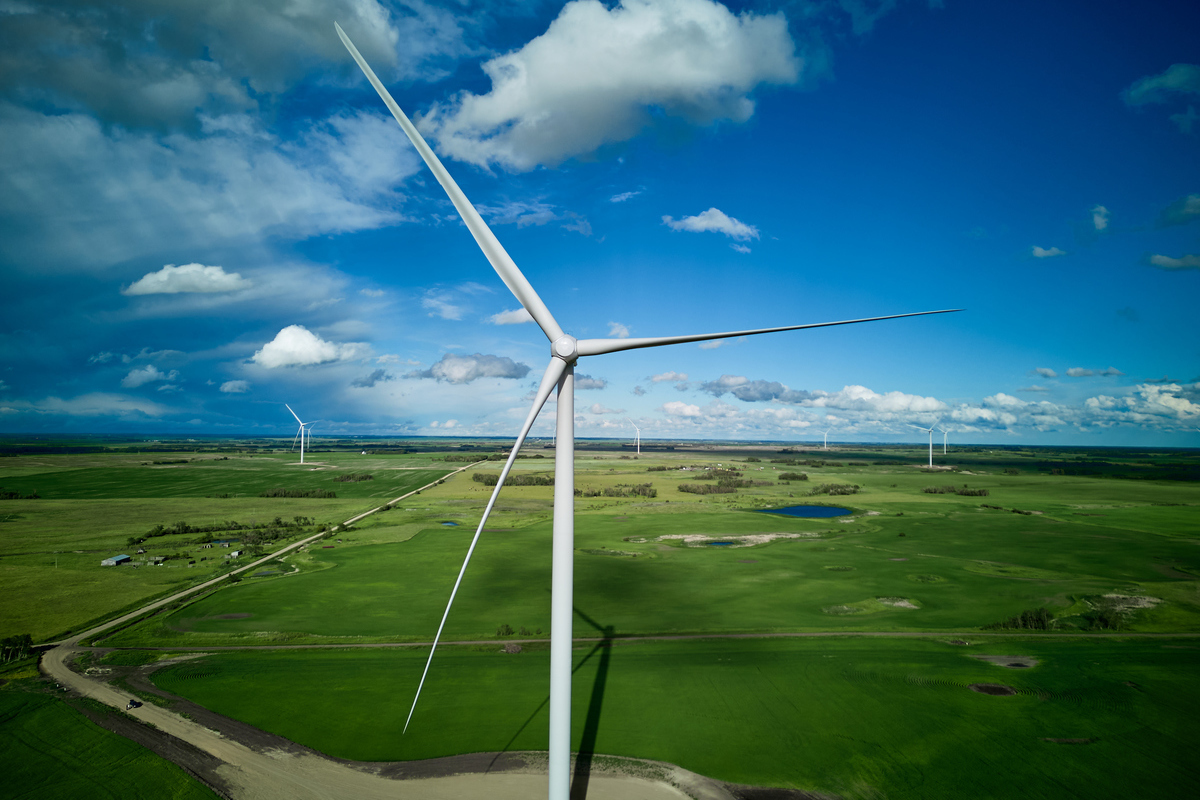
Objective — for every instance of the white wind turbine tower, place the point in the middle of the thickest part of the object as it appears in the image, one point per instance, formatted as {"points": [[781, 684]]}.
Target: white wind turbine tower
{"points": [[299, 433], [560, 372], [945, 438], [827, 438], [928, 430], [639, 436]]}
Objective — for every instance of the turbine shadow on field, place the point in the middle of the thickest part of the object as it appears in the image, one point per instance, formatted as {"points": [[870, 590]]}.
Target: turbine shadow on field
{"points": [[591, 724]]}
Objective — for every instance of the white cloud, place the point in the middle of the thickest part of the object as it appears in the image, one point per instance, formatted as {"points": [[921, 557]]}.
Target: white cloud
{"points": [[713, 344], [668, 377], [516, 316], [1100, 216], [94, 404], [618, 330], [1041, 252], [1182, 211], [593, 76], [638, 391], [1175, 79], [677, 408], [187, 279], [1080, 372], [372, 292], [464, 369], [599, 409], [147, 374], [441, 304], [1045, 372], [713, 220], [100, 358], [1034, 388], [235, 387], [233, 183], [623, 196], [586, 382], [296, 346], [1169, 263], [741, 248]]}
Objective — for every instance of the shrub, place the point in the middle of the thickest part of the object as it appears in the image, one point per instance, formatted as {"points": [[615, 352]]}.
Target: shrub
{"points": [[793, 476], [321, 493], [354, 477], [834, 489], [492, 478]]}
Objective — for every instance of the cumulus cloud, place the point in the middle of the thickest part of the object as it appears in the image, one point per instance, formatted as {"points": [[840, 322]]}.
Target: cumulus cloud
{"points": [[669, 377], [1080, 372], [757, 391], [1174, 80], [1182, 211], [296, 346], [1041, 252], [713, 220], [188, 278], [594, 77], [147, 374], [367, 381], [516, 316], [1100, 216], [441, 304], [235, 387], [678, 408], [618, 331], [1169, 263], [1045, 372], [621, 197], [599, 409], [583, 382], [464, 369], [100, 358]]}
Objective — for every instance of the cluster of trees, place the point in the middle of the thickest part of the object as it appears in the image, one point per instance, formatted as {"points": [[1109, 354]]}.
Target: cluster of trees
{"points": [[707, 488], [718, 474], [811, 462], [964, 491], [507, 630], [1039, 619], [658, 469], [472, 457], [217, 527], [14, 648], [620, 490], [354, 477], [324, 494], [834, 489], [9, 494], [492, 478], [793, 476]]}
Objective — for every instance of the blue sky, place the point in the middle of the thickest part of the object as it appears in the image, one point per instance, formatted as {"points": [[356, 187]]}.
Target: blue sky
{"points": [[207, 213]]}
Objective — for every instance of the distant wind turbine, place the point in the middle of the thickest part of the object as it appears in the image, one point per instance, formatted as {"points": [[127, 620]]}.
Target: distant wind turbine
{"points": [[299, 434], [827, 439], [565, 350], [928, 430], [945, 438], [639, 436]]}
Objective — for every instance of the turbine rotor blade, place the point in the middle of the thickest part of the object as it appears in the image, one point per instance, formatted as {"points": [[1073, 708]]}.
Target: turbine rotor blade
{"points": [[596, 347], [297, 436], [549, 380], [289, 408], [487, 241]]}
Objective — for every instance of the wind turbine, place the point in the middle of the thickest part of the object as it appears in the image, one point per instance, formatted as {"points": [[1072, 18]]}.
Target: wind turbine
{"points": [[565, 350], [639, 436], [928, 430], [827, 439], [299, 434], [945, 437]]}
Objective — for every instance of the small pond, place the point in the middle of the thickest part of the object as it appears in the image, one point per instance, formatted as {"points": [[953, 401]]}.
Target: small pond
{"points": [[812, 512], [450, 524], [719, 544]]}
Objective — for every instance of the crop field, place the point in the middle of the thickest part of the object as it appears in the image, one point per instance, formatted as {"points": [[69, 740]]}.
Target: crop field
{"points": [[89, 507], [1061, 559], [861, 717], [48, 750]]}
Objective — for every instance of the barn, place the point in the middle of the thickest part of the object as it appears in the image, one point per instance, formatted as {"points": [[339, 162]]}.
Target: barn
{"points": [[115, 560]]}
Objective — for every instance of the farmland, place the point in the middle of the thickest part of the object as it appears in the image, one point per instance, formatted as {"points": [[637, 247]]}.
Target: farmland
{"points": [[1070, 560]]}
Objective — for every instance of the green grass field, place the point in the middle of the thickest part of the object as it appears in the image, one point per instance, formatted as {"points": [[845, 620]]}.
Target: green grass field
{"points": [[49, 751], [863, 717], [858, 717]]}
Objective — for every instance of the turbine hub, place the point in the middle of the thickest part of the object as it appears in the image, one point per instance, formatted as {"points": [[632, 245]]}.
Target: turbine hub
{"points": [[565, 347]]}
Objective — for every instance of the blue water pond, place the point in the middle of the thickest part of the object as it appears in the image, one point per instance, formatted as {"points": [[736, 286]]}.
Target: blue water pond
{"points": [[812, 512]]}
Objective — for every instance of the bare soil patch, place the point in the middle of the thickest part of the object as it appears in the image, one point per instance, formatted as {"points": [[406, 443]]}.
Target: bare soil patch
{"points": [[994, 689], [1010, 662], [703, 539]]}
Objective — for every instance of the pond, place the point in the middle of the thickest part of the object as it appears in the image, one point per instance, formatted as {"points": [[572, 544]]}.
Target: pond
{"points": [[812, 512], [719, 544]]}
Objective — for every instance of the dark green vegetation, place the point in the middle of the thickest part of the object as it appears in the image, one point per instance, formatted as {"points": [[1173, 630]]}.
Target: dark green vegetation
{"points": [[50, 751], [859, 717], [1044, 554]]}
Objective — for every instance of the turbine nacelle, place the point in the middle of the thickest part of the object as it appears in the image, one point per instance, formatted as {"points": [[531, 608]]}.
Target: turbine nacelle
{"points": [[565, 348]]}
